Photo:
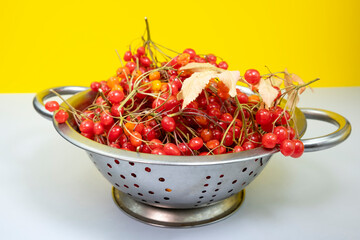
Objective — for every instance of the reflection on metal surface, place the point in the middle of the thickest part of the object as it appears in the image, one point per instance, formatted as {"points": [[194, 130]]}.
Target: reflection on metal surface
{"points": [[163, 217]]}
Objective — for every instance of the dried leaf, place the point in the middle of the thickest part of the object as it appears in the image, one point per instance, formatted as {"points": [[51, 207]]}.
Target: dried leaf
{"points": [[287, 79], [292, 100], [297, 79], [267, 92], [193, 86], [201, 67], [276, 81], [230, 78]]}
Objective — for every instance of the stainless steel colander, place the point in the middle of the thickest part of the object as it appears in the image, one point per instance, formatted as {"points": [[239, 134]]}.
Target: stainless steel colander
{"points": [[180, 191]]}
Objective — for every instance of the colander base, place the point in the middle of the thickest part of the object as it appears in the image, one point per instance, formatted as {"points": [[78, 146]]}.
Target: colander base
{"points": [[165, 217]]}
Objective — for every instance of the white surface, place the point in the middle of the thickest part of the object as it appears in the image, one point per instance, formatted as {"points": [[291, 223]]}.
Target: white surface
{"points": [[49, 189]]}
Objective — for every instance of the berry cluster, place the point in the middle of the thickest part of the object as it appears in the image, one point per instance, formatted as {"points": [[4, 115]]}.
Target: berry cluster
{"points": [[138, 110]]}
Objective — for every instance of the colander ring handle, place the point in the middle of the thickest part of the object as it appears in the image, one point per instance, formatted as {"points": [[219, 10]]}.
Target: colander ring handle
{"points": [[38, 101], [329, 140]]}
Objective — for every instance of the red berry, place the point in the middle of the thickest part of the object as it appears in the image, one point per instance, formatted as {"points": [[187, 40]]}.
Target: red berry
{"points": [[248, 145], [155, 143], [106, 119], [131, 66], [61, 116], [299, 148], [281, 134], [287, 147], [238, 149], [168, 124], [210, 58], [184, 149], [87, 126], [242, 97], [95, 86], [98, 128], [52, 106], [115, 110], [135, 139], [145, 61], [223, 65], [127, 56], [171, 149], [212, 144], [116, 96], [148, 133], [158, 151], [252, 76], [191, 52], [269, 140], [141, 50], [196, 143], [263, 117], [114, 133]]}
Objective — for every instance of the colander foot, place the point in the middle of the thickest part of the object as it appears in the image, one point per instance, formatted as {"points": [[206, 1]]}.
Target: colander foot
{"points": [[166, 217]]}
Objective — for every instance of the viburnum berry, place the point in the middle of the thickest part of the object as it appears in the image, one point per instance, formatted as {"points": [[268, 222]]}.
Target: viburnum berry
{"points": [[281, 134], [106, 119], [183, 59], [191, 52], [127, 56], [145, 61], [299, 148], [252, 76], [135, 139], [130, 66], [196, 143], [95, 86], [269, 140], [223, 65], [155, 143], [248, 145], [184, 149], [61, 116], [116, 96], [158, 151], [168, 124], [238, 148], [171, 149], [114, 133], [263, 117], [219, 150], [98, 128], [287, 147], [87, 126], [141, 51], [211, 58], [52, 106]]}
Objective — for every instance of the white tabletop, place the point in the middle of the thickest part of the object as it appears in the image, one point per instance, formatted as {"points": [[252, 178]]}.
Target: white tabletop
{"points": [[50, 190]]}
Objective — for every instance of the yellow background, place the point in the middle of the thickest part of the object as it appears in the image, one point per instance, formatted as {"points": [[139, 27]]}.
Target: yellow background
{"points": [[52, 43]]}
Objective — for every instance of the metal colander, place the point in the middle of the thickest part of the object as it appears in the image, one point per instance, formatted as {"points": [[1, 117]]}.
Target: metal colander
{"points": [[180, 190]]}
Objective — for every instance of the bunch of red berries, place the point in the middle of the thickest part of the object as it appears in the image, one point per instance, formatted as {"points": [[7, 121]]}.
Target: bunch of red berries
{"points": [[138, 110]]}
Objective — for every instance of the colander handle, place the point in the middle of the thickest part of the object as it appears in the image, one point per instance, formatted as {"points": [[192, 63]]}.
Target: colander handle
{"points": [[329, 140], [38, 101]]}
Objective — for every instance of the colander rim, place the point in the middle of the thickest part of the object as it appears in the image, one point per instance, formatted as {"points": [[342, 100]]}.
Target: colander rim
{"points": [[73, 136]]}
